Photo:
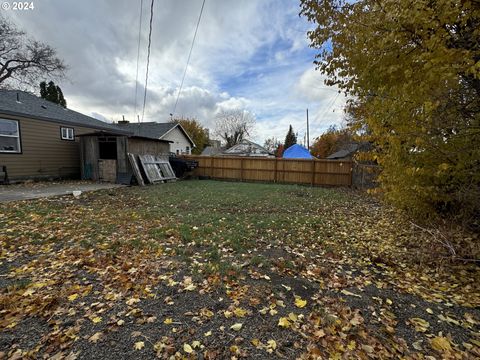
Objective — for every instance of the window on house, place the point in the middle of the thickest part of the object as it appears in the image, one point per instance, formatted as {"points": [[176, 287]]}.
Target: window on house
{"points": [[9, 136], [67, 133], [178, 152], [187, 150]]}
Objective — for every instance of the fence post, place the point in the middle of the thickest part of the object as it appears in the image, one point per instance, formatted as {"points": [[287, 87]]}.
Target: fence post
{"points": [[275, 171], [241, 169], [313, 172], [211, 166]]}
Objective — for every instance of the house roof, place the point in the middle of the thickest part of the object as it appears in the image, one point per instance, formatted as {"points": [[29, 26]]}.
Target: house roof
{"points": [[34, 107], [246, 147], [347, 150], [211, 150], [154, 129], [112, 133]]}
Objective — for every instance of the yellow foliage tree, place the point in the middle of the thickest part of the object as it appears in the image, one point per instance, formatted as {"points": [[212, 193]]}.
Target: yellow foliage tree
{"points": [[197, 133], [413, 68]]}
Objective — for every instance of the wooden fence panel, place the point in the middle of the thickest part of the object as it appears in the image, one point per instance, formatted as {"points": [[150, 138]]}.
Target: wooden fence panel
{"points": [[294, 171]]}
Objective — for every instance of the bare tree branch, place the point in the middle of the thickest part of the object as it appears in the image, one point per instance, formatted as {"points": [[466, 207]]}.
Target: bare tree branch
{"points": [[232, 126], [24, 60]]}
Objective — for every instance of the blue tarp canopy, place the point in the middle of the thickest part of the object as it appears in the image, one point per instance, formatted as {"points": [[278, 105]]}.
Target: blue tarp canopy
{"points": [[297, 152]]}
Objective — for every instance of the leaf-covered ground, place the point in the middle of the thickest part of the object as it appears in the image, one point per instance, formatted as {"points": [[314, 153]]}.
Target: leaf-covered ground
{"points": [[214, 270]]}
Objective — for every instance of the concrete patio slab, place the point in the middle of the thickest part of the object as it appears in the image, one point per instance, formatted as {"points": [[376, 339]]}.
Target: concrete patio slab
{"points": [[45, 189]]}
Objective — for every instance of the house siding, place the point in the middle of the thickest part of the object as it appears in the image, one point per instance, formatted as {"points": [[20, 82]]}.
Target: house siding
{"points": [[180, 142], [44, 154]]}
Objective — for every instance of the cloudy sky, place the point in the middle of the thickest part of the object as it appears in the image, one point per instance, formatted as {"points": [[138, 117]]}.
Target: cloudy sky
{"points": [[249, 54]]}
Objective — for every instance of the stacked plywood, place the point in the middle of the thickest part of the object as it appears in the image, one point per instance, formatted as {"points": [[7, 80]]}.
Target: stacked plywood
{"points": [[155, 169]]}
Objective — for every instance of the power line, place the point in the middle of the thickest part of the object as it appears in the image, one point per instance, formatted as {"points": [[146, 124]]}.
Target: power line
{"points": [[148, 58], [138, 55], [329, 107], [188, 60]]}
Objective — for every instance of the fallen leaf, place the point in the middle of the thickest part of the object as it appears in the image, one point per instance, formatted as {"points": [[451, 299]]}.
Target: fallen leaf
{"points": [[440, 343], [236, 327], [187, 348], [95, 337], [283, 322], [139, 345], [348, 293], [72, 297], [239, 312], [420, 324], [97, 319], [299, 302]]}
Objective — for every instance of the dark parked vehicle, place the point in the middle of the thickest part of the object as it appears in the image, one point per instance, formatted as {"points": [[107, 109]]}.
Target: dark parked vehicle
{"points": [[181, 166]]}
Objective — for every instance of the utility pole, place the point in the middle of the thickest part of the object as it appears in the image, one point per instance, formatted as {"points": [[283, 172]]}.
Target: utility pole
{"points": [[308, 133]]}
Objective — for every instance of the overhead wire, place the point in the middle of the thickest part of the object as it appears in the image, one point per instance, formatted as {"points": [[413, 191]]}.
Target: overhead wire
{"points": [[138, 55], [188, 59], [148, 57]]}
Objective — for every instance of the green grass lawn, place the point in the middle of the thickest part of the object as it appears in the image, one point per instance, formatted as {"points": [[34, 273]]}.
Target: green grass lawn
{"points": [[220, 269]]}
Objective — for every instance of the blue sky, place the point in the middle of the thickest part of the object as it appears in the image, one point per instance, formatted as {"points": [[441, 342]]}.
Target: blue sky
{"points": [[249, 54]]}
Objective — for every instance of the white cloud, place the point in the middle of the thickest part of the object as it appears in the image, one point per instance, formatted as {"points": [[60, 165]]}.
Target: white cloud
{"points": [[250, 54]]}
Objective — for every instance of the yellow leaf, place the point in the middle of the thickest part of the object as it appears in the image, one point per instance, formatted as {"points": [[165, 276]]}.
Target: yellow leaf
{"points": [[120, 322], [293, 317], [72, 297], [428, 310], [139, 345], [420, 324], [440, 343], [196, 344], [236, 326], [348, 293], [352, 345], [96, 319], [272, 344], [239, 312], [255, 342], [228, 314], [208, 333], [28, 292], [283, 322], [187, 348], [299, 302], [168, 321]]}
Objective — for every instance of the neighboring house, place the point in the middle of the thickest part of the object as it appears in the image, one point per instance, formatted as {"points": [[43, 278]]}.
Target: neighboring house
{"points": [[348, 150], [297, 152], [38, 138], [247, 148], [174, 132], [212, 151]]}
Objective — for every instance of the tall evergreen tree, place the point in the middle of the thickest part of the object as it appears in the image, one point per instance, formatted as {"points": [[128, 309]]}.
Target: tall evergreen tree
{"points": [[53, 93], [290, 139]]}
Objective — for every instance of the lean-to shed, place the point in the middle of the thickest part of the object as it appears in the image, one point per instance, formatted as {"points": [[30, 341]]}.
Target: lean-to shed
{"points": [[104, 155]]}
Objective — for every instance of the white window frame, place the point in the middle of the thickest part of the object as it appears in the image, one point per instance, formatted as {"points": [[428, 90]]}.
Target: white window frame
{"points": [[67, 133], [19, 143]]}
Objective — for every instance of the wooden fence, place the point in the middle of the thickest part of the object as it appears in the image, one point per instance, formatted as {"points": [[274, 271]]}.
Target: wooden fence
{"points": [[296, 171]]}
